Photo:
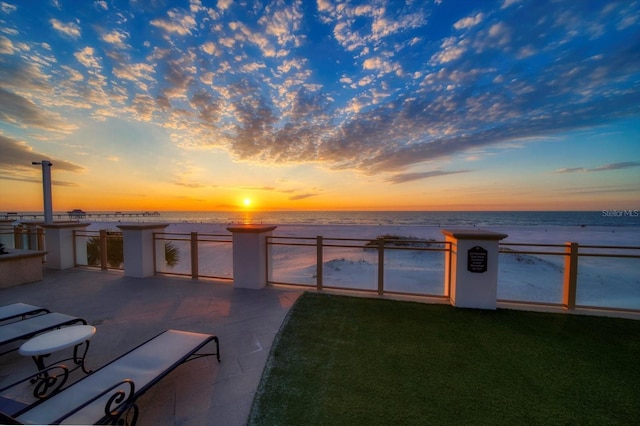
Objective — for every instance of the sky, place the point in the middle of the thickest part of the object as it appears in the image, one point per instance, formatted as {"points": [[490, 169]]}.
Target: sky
{"points": [[320, 104]]}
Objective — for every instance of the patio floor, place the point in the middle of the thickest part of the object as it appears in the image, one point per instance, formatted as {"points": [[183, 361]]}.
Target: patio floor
{"points": [[128, 311]]}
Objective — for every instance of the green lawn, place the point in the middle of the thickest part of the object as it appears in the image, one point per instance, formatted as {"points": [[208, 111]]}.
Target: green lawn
{"points": [[345, 360]]}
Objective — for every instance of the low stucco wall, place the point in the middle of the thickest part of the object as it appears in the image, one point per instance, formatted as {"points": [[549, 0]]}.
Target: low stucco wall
{"points": [[21, 267]]}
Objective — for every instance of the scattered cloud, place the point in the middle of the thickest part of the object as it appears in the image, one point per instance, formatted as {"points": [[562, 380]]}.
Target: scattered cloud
{"points": [[371, 89], [69, 29], [605, 167], [302, 196], [18, 156], [20, 111], [408, 177]]}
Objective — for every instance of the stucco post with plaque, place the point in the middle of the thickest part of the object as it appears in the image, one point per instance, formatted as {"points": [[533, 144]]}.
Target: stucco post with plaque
{"points": [[472, 268]]}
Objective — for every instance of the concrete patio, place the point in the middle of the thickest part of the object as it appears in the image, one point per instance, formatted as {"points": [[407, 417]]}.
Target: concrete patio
{"points": [[128, 311]]}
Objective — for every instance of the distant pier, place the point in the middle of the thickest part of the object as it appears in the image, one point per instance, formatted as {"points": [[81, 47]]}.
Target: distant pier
{"points": [[76, 215]]}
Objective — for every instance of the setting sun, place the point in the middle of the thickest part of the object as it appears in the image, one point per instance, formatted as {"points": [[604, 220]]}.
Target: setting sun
{"points": [[247, 202]]}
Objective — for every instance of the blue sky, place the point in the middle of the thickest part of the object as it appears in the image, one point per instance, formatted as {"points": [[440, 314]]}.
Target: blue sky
{"points": [[166, 105]]}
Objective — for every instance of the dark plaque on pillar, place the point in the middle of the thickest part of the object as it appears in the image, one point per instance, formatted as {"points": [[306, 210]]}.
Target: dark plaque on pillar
{"points": [[477, 260]]}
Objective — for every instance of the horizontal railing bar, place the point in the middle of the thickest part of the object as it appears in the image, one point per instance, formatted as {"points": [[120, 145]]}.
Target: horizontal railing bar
{"points": [[189, 234], [284, 237], [189, 239], [611, 247], [181, 274], [411, 248], [368, 240], [364, 290], [294, 244], [526, 302], [406, 293], [605, 308], [360, 247], [624, 256], [532, 245], [296, 284], [555, 253]]}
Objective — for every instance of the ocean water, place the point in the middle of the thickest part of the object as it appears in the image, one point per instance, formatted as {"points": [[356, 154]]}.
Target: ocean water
{"points": [[608, 218], [614, 218]]}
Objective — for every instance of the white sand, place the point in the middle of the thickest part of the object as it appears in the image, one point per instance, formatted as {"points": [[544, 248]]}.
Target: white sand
{"points": [[607, 282]]}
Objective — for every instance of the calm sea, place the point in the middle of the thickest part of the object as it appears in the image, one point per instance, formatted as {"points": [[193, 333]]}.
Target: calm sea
{"points": [[614, 218], [617, 218]]}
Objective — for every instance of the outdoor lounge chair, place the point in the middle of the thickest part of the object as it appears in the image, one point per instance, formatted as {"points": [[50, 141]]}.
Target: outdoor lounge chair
{"points": [[27, 328], [109, 394], [16, 310]]}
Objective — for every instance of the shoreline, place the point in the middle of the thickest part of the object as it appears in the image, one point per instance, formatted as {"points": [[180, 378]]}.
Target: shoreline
{"points": [[535, 234]]}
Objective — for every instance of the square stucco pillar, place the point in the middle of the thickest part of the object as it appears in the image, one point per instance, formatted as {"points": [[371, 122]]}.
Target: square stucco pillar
{"points": [[137, 240], [250, 255], [472, 268], [59, 243]]}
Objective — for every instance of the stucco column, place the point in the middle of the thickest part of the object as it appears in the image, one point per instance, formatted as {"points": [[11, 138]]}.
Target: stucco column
{"points": [[472, 268], [59, 244], [250, 255], [138, 248]]}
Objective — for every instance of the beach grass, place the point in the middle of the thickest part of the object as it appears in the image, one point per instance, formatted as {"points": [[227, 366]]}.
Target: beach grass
{"points": [[348, 360]]}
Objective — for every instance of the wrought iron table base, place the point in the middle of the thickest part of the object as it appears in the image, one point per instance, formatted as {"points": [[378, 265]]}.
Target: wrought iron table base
{"points": [[78, 360]]}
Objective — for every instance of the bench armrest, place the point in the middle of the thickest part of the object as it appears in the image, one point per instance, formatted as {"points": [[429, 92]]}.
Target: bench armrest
{"points": [[48, 382], [120, 402]]}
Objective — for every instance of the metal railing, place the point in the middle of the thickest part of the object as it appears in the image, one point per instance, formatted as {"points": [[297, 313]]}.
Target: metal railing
{"points": [[573, 256], [215, 248], [371, 256], [379, 263], [25, 237], [102, 249]]}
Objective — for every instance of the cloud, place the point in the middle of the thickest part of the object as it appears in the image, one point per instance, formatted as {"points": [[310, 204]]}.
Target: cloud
{"points": [[68, 29], [302, 196], [605, 167], [179, 22], [408, 177], [6, 46], [7, 8], [17, 156], [369, 89], [224, 4], [469, 21], [21, 112], [87, 58], [117, 38]]}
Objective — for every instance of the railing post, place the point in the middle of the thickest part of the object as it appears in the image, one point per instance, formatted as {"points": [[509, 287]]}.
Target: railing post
{"points": [[380, 266], [17, 237], [103, 250], [319, 263], [40, 232], [448, 254], [570, 275], [194, 255]]}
